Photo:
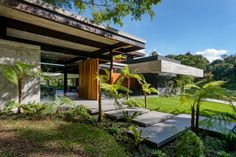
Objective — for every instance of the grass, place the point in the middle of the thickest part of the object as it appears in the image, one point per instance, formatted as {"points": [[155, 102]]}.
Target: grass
{"points": [[55, 138], [173, 105]]}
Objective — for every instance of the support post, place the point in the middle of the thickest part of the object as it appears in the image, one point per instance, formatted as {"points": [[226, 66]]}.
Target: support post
{"points": [[111, 66], [3, 28], [65, 80]]}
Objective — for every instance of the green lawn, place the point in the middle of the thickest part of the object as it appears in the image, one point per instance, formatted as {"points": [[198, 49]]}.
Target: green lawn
{"points": [[173, 105], [55, 138]]}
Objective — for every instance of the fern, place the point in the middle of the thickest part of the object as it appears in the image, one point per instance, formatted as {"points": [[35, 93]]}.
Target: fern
{"points": [[137, 135]]}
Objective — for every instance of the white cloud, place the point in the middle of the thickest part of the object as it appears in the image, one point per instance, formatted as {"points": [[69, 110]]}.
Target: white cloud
{"points": [[212, 54]]}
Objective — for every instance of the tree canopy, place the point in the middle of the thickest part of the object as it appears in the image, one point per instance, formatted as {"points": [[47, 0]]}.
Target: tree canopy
{"points": [[224, 69], [197, 61], [107, 11]]}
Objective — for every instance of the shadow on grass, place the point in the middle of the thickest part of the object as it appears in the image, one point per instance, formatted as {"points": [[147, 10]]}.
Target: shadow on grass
{"points": [[67, 139]]}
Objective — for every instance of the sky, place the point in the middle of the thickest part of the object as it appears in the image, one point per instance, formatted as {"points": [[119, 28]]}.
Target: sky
{"points": [[206, 27]]}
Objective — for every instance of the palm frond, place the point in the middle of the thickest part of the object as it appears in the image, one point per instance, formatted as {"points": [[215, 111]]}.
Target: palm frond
{"points": [[213, 84], [189, 86], [11, 75]]}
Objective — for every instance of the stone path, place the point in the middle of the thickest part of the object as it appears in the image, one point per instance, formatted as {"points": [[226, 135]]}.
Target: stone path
{"points": [[163, 132], [157, 128], [167, 130]]}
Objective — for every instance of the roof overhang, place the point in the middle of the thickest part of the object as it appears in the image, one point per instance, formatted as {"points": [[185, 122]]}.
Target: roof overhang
{"points": [[163, 65], [57, 31]]}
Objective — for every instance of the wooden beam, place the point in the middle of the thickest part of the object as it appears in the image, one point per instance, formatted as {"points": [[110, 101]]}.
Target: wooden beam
{"points": [[73, 60], [100, 53], [107, 49], [52, 33]]}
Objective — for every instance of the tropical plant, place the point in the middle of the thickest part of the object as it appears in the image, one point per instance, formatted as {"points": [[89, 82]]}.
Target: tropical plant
{"points": [[197, 97], [34, 108], [63, 100], [222, 154], [9, 106], [147, 89], [114, 90], [182, 81], [75, 114], [129, 117], [158, 153], [16, 75], [189, 145], [137, 135], [133, 103], [119, 58], [127, 74]]}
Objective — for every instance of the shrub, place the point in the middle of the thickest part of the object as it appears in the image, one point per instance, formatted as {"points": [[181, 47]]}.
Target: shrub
{"points": [[9, 107], [60, 101], [74, 114], [34, 108], [137, 135], [133, 103], [129, 118], [158, 153], [189, 145], [222, 154]]}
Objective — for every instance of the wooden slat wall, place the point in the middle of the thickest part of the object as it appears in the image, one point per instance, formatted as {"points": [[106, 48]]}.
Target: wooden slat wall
{"points": [[88, 85]]}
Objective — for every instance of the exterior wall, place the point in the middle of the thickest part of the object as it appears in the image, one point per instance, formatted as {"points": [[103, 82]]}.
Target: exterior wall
{"points": [[10, 52]]}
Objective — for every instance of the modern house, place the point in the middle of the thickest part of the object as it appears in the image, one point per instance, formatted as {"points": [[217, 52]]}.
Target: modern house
{"points": [[38, 33], [35, 32]]}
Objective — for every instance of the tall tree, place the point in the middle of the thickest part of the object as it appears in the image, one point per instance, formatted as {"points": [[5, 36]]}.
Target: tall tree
{"points": [[197, 61], [224, 69], [109, 10]]}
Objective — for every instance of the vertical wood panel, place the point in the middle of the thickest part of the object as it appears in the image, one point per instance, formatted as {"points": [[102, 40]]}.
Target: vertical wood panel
{"points": [[88, 85]]}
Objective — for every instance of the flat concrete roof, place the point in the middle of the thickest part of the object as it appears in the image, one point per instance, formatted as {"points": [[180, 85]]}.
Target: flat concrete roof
{"points": [[162, 65], [58, 31]]}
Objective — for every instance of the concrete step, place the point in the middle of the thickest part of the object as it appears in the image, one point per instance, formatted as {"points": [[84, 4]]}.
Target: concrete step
{"points": [[119, 114], [107, 105], [151, 118], [165, 131]]}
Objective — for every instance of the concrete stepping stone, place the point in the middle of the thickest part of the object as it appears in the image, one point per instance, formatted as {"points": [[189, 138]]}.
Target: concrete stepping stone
{"points": [[163, 132], [119, 114], [105, 108], [107, 105], [151, 118]]}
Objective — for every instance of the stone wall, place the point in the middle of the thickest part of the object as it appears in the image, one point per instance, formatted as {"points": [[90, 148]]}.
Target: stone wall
{"points": [[10, 52]]}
